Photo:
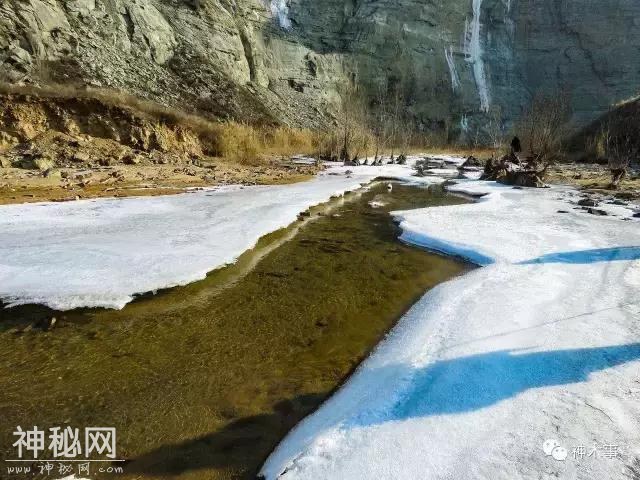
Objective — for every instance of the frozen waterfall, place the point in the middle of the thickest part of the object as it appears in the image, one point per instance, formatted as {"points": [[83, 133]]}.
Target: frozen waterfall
{"points": [[474, 56], [280, 10], [455, 78]]}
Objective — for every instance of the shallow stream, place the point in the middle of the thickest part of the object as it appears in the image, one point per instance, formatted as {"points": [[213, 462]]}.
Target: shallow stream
{"points": [[202, 381]]}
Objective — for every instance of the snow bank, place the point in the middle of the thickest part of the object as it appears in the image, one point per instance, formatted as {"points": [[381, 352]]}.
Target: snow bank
{"points": [[99, 253], [541, 345], [404, 173]]}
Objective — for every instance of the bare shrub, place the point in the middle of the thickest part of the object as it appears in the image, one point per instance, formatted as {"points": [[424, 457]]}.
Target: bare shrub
{"points": [[326, 145], [363, 143], [617, 140], [596, 144], [378, 121], [619, 149], [406, 140], [395, 113], [495, 128], [544, 125]]}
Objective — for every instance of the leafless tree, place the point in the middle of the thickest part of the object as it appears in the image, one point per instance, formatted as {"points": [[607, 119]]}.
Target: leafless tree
{"points": [[400, 82], [353, 115], [378, 120], [405, 137], [495, 128], [619, 149], [544, 125], [395, 115], [618, 141]]}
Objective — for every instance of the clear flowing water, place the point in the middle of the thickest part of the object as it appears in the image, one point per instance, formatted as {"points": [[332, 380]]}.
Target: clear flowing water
{"points": [[202, 381]]}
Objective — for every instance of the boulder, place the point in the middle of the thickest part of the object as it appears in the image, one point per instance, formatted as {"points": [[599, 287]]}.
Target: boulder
{"points": [[619, 202], [587, 202], [43, 164], [37, 163], [81, 157], [132, 159], [597, 211], [52, 173], [523, 178], [429, 162], [471, 162]]}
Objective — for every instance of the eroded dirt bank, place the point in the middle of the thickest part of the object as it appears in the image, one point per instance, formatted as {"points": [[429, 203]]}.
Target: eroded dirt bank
{"points": [[67, 145]]}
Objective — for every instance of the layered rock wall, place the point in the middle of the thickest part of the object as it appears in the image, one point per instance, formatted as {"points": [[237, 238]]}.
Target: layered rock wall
{"points": [[283, 60]]}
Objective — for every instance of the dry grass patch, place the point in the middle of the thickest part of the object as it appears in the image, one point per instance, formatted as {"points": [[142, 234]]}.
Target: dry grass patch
{"points": [[249, 145]]}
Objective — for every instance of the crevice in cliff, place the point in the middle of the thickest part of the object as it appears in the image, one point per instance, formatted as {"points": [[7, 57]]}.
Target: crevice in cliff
{"points": [[572, 32], [128, 22], [248, 53]]}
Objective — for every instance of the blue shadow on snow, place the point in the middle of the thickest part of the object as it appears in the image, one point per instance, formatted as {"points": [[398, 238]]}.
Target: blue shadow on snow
{"points": [[615, 254], [474, 382]]}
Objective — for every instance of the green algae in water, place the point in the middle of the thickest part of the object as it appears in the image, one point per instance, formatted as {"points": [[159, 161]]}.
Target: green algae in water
{"points": [[203, 381]]}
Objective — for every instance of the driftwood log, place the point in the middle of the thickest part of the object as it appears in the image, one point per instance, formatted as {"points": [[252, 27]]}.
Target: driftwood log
{"points": [[511, 170]]}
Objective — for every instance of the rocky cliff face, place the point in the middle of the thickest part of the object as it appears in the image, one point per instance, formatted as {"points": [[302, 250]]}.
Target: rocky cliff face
{"points": [[587, 48], [282, 60], [227, 57]]}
